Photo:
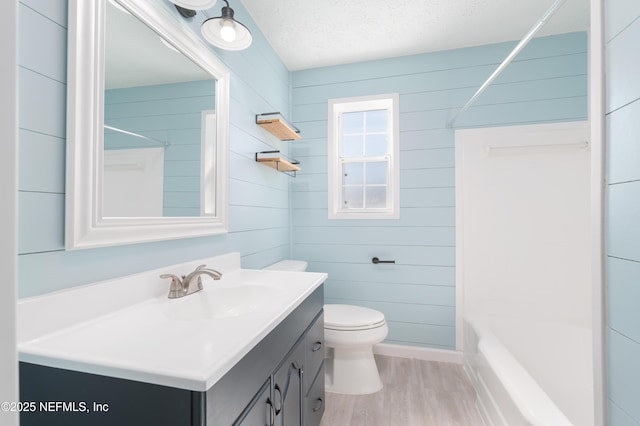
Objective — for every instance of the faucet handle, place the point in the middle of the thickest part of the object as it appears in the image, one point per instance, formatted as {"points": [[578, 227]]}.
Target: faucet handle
{"points": [[177, 288]]}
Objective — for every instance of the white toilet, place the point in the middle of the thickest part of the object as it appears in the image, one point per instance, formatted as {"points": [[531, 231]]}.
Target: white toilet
{"points": [[350, 333]]}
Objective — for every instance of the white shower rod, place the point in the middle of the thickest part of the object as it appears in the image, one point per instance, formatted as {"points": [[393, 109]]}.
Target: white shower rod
{"points": [[527, 38]]}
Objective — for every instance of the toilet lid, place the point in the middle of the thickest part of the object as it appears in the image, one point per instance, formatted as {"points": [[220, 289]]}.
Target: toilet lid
{"points": [[349, 317]]}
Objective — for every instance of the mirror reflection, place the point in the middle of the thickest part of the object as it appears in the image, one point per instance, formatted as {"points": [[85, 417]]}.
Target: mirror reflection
{"points": [[159, 124]]}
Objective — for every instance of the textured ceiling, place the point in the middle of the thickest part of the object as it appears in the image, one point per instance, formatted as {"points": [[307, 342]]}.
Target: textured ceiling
{"points": [[315, 33]]}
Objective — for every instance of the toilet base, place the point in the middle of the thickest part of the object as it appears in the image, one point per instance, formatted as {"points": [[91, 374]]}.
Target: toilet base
{"points": [[352, 371]]}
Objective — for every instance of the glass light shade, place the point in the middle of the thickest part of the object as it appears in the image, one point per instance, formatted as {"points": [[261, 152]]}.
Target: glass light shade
{"points": [[212, 31], [195, 4]]}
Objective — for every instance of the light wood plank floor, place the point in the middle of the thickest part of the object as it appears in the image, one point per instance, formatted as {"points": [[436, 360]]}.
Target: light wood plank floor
{"points": [[416, 393]]}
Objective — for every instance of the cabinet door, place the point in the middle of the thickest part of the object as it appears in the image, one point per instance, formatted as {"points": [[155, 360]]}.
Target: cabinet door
{"points": [[287, 389], [260, 412]]}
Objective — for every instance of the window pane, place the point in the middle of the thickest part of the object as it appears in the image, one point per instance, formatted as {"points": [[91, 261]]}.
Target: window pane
{"points": [[377, 121], [376, 173], [376, 145], [353, 173], [376, 197], [352, 122], [362, 158], [352, 146], [353, 197]]}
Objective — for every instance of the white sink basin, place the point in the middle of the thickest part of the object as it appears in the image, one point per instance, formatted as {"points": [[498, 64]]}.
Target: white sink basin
{"points": [[221, 302]]}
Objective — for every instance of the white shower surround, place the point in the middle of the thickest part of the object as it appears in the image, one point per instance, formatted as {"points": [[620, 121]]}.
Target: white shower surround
{"points": [[523, 259]]}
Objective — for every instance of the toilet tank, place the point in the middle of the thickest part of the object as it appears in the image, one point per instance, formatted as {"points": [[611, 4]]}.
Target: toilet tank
{"points": [[288, 265]]}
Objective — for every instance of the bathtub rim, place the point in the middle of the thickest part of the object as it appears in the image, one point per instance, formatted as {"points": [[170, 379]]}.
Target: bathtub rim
{"points": [[532, 402]]}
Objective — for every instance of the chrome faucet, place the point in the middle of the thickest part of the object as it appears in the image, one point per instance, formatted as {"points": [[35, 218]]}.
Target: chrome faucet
{"points": [[181, 287]]}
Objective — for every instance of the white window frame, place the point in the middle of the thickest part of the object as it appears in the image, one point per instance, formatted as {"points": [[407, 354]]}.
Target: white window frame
{"points": [[337, 107]]}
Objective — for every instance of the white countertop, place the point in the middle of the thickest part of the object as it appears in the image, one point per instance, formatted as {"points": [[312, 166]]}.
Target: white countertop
{"points": [[128, 328]]}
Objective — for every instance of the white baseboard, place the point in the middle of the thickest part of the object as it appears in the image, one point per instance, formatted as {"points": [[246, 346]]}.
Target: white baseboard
{"points": [[425, 354]]}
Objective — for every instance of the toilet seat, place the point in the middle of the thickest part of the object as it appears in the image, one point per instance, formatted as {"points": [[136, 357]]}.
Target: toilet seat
{"points": [[351, 318]]}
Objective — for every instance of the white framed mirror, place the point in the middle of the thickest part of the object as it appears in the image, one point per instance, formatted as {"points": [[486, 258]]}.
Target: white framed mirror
{"points": [[147, 127]]}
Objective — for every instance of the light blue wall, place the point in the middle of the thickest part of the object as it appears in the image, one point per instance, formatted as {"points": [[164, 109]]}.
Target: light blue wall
{"points": [[622, 36], [547, 82], [259, 196], [170, 113]]}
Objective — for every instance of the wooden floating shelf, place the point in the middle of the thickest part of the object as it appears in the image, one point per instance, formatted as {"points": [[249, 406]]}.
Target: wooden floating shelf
{"points": [[279, 164], [273, 159], [278, 126]]}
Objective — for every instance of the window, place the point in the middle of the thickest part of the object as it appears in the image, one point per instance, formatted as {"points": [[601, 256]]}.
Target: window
{"points": [[363, 158]]}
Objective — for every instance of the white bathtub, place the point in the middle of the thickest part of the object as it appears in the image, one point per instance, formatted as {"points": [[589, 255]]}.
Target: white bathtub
{"points": [[528, 373]]}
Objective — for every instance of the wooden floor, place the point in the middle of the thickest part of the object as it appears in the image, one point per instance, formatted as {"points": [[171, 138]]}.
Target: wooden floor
{"points": [[416, 393]]}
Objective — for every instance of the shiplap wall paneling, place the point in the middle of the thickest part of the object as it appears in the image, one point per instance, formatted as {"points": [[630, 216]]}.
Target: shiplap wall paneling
{"points": [[547, 82], [622, 37]]}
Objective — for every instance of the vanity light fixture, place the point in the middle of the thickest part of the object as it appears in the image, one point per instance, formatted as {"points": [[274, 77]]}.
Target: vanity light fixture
{"points": [[225, 32], [185, 13]]}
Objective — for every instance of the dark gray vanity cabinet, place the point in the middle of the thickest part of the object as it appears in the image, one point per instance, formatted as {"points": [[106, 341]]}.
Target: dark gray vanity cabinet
{"points": [[280, 400], [279, 382], [280, 361], [294, 394]]}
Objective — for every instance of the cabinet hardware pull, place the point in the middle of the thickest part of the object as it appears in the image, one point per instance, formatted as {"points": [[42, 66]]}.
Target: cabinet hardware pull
{"points": [[275, 406], [375, 261], [316, 346], [318, 406], [271, 416]]}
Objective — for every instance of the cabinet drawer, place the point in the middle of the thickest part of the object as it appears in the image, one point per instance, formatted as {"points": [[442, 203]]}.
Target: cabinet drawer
{"points": [[314, 402], [314, 347]]}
